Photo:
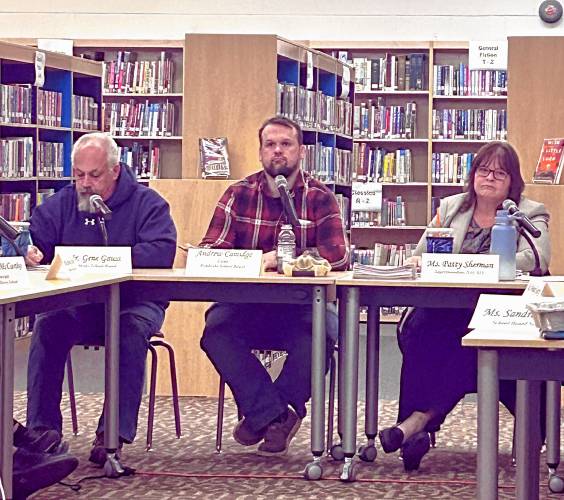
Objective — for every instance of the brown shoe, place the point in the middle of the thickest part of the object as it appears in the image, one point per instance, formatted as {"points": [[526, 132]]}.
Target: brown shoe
{"points": [[279, 434], [245, 436], [98, 452]]}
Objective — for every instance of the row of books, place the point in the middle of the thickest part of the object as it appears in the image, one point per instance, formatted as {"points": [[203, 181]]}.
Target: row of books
{"points": [[375, 120], [85, 112], [314, 109], [392, 213], [327, 163], [138, 119], [16, 157], [344, 203], [377, 164], [49, 108], [43, 194], [383, 254], [474, 124], [15, 206], [15, 103], [144, 160], [127, 75], [50, 159], [461, 80], [451, 167], [391, 72]]}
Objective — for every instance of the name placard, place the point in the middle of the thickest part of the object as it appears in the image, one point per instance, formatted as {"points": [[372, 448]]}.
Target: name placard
{"points": [[459, 268], [98, 260], [545, 286], [503, 312], [63, 268], [223, 263], [13, 273]]}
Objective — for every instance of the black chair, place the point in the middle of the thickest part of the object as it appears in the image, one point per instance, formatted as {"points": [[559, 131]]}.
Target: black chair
{"points": [[157, 340]]}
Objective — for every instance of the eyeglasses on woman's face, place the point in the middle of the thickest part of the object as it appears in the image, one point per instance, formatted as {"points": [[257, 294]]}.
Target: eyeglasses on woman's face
{"points": [[498, 173]]}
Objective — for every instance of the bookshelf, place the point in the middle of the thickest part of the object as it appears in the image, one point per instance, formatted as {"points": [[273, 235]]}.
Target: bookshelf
{"points": [[536, 109], [412, 108], [142, 101], [39, 125], [231, 86]]}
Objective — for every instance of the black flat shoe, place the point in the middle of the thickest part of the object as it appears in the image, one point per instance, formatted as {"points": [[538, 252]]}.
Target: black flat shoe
{"points": [[391, 439], [414, 449]]}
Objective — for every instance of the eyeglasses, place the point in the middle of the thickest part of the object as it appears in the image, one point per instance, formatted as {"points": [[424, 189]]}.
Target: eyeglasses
{"points": [[498, 174]]}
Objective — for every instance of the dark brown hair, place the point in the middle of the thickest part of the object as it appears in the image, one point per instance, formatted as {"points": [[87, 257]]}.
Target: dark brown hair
{"points": [[285, 122], [507, 159]]}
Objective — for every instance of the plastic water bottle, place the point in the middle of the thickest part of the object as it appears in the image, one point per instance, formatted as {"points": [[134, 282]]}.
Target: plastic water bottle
{"points": [[504, 244], [286, 248]]}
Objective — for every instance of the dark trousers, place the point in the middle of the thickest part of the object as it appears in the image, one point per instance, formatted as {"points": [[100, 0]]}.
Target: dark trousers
{"points": [[233, 330], [55, 333], [437, 371]]}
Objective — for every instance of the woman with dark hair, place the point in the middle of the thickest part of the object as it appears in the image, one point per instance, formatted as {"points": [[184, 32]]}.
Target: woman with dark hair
{"points": [[436, 370]]}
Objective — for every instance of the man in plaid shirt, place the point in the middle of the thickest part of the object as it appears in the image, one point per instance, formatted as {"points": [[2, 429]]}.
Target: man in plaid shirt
{"points": [[249, 215]]}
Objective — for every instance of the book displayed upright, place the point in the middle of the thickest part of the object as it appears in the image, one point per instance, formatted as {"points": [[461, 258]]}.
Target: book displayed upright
{"points": [[549, 166]]}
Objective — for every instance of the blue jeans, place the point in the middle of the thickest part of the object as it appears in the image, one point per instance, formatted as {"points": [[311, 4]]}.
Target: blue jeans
{"points": [[55, 333], [233, 330]]}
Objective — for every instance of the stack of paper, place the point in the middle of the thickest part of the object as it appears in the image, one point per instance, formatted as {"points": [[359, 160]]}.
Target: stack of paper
{"points": [[363, 271]]}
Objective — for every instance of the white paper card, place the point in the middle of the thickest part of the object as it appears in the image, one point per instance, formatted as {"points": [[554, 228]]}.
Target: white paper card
{"points": [[460, 268], [345, 82], [223, 263], [99, 260], [13, 273], [366, 196], [487, 54], [309, 77], [63, 268], [39, 68], [503, 312]]}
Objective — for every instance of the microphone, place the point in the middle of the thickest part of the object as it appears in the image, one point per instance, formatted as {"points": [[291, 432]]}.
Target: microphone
{"points": [[287, 203], [98, 206], [521, 218]]}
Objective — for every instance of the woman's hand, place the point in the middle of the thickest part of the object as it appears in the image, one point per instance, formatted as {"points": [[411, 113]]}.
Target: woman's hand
{"points": [[414, 259]]}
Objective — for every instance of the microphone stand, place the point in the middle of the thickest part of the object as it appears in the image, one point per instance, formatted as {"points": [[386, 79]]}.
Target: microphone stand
{"points": [[537, 270], [102, 226]]}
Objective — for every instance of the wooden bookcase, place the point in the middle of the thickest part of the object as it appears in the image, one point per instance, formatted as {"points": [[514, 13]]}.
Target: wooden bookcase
{"points": [[167, 145], [66, 76], [536, 111], [422, 186]]}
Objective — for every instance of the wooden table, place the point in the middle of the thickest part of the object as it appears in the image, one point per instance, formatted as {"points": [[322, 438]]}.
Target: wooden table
{"points": [[529, 359], [42, 296], [352, 294]]}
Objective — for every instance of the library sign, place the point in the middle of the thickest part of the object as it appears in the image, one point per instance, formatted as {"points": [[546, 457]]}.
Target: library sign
{"points": [[366, 196], [487, 54]]}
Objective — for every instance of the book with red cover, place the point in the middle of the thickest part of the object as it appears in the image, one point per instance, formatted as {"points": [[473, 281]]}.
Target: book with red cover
{"points": [[549, 166]]}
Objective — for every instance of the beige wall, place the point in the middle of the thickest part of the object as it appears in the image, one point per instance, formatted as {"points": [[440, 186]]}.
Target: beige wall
{"points": [[294, 19]]}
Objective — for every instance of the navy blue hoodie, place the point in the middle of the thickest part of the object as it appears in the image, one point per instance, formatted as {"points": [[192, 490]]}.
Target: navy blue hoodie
{"points": [[140, 219]]}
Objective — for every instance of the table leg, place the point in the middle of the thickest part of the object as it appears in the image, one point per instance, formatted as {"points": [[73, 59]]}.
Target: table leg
{"points": [[7, 313], [112, 467], [318, 372], [528, 439], [350, 380], [488, 423], [368, 451]]}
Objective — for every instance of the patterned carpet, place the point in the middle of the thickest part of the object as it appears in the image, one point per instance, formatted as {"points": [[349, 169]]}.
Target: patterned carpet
{"points": [[190, 468]]}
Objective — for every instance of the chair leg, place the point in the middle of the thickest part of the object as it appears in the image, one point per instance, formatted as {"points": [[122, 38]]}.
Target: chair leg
{"points": [[220, 407], [173, 382], [152, 389], [72, 398], [331, 412]]}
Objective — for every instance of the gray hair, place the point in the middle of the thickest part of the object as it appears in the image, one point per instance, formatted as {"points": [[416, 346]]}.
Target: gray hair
{"points": [[101, 140]]}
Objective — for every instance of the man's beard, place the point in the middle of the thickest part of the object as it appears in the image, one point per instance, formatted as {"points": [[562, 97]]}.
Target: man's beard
{"points": [[280, 167], [83, 201]]}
